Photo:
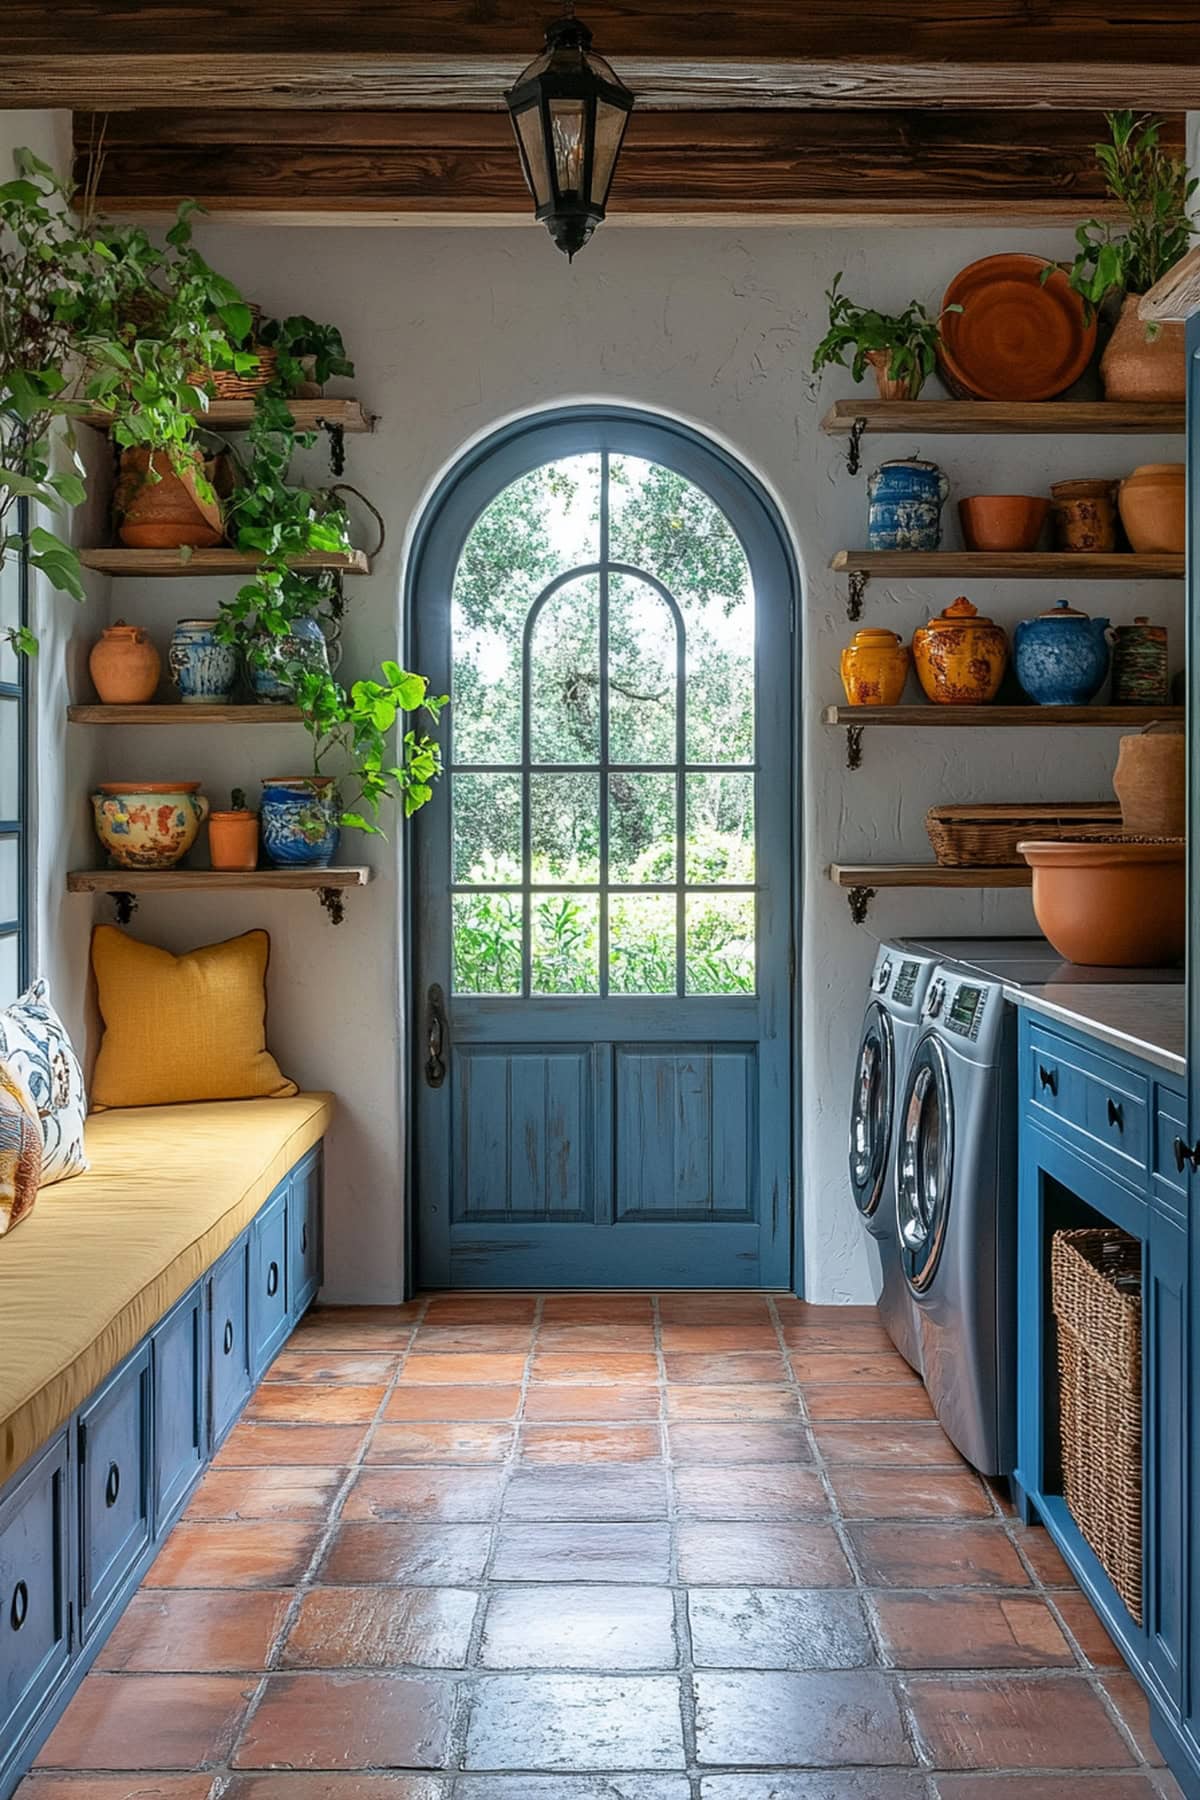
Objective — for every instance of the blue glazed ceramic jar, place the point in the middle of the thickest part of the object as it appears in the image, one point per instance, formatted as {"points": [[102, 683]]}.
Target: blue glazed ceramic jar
{"points": [[203, 670], [1061, 657], [268, 658], [905, 505], [299, 817]]}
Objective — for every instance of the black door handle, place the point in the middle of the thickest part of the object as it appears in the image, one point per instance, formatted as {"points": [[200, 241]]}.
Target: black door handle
{"points": [[435, 1036], [228, 1336], [112, 1487], [272, 1281], [1182, 1154], [1116, 1113], [20, 1606], [1048, 1078]]}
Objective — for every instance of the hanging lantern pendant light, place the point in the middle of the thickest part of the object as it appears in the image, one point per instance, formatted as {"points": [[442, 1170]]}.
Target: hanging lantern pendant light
{"points": [[569, 113]]}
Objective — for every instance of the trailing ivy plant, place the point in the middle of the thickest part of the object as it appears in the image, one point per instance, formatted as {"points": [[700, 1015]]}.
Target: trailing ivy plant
{"points": [[1155, 189], [306, 351], [359, 726], [909, 338]]}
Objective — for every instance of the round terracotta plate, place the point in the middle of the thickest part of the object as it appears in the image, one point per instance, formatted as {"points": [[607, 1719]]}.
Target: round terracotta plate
{"points": [[1016, 338]]}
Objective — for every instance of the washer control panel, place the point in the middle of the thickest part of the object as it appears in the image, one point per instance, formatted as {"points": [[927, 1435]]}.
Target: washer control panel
{"points": [[965, 1006]]}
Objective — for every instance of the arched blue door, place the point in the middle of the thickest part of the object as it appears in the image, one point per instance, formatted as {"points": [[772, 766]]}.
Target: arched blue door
{"points": [[602, 896]]}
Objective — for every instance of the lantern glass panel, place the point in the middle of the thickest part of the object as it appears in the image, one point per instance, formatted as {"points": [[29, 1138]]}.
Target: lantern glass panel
{"points": [[568, 137], [610, 129], [533, 149]]}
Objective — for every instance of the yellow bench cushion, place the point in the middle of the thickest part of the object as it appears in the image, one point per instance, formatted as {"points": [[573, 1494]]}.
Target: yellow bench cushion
{"points": [[103, 1256]]}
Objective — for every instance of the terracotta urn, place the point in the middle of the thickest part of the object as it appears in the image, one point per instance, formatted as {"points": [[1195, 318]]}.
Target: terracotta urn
{"points": [[1153, 503], [1140, 367], [148, 824], [893, 387], [1002, 521], [158, 509], [1111, 902], [960, 656], [1151, 780], [124, 666], [875, 668], [1085, 515]]}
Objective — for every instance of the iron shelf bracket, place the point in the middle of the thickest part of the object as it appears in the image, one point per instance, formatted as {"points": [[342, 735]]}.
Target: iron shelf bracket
{"points": [[337, 445], [854, 746], [334, 902], [124, 905], [859, 901], [856, 592], [854, 446]]}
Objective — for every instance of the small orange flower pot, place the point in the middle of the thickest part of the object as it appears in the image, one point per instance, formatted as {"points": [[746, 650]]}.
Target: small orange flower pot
{"points": [[233, 840]]}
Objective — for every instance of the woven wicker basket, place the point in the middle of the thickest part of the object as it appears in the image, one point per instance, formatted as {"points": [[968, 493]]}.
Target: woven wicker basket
{"points": [[986, 836], [1100, 1397]]}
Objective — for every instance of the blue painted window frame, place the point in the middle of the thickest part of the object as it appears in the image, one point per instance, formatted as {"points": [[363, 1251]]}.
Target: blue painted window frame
{"points": [[16, 694]]}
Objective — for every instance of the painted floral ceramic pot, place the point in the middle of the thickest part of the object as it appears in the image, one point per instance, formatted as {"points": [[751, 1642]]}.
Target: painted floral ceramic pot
{"points": [[204, 671], [874, 668], [300, 820], [905, 511], [268, 658], [148, 824], [1061, 657], [960, 657]]}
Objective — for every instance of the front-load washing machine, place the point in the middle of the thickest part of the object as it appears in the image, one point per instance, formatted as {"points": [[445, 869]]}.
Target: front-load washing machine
{"points": [[890, 1028], [956, 1211]]}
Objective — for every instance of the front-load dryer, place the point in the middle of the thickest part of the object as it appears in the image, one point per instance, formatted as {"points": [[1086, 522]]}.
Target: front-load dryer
{"points": [[890, 1027], [956, 1211]]}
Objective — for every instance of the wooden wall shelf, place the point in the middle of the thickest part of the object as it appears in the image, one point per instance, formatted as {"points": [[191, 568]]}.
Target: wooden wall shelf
{"points": [[164, 881], [986, 716], [1038, 565], [213, 562], [233, 415], [926, 875], [991, 418], [178, 714]]}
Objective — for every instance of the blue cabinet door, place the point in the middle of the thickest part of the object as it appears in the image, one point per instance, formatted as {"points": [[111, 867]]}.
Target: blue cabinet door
{"points": [[1165, 1348], [113, 1445], [229, 1338], [35, 1635], [179, 1423], [269, 1321], [304, 1232]]}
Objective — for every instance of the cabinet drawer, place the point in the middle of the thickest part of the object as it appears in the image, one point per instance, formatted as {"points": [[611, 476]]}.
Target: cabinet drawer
{"points": [[304, 1232], [178, 1405], [34, 1579], [1170, 1127], [1096, 1101], [229, 1338], [269, 1282], [114, 1484]]}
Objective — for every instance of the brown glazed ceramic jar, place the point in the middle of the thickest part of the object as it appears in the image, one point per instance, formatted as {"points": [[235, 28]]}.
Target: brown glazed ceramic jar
{"points": [[1085, 516], [960, 657]]}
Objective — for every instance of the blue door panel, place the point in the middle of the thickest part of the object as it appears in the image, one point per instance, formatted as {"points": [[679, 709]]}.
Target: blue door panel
{"points": [[179, 1386], [269, 1282], [686, 1130], [35, 1644], [229, 1338], [113, 1447], [523, 1139]]}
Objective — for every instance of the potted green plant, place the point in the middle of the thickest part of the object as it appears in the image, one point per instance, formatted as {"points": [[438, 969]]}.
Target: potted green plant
{"points": [[233, 835], [1140, 362], [307, 354], [900, 347]]}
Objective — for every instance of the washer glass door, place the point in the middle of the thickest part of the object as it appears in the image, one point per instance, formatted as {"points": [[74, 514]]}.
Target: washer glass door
{"points": [[925, 1163], [871, 1110]]}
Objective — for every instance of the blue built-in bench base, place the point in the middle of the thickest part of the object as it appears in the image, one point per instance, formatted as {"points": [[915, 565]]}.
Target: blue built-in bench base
{"points": [[82, 1521]]}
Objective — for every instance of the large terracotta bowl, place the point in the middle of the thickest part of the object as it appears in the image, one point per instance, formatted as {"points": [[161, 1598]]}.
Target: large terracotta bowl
{"points": [[1023, 333], [1111, 904], [1002, 521]]}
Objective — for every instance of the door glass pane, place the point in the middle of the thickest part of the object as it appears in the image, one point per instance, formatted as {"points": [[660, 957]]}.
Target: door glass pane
{"points": [[487, 943], [720, 943], [10, 969], [10, 757], [10, 616], [641, 828], [564, 826], [565, 675], [642, 673], [565, 947], [720, 828], [641, 944], [10, 879], [486, 812]]}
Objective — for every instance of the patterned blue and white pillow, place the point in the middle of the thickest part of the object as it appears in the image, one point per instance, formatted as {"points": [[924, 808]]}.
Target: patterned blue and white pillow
{"points": [[34, 1040]]}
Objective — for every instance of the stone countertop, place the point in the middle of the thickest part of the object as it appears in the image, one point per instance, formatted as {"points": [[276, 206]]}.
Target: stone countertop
{"points": [[1142, 1019]]}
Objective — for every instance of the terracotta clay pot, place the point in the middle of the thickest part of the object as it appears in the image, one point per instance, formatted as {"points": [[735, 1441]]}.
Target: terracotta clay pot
{"points": [[124, 666], [1153, 503], [166, 513], [1135, 367], [1085, 515], [233, 840], [960, 657], [1002, 521], [874, 668], [1118, 903], [1151, 781], [898, 387]]}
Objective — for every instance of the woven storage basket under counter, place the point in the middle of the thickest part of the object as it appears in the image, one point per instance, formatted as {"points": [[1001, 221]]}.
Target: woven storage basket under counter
{"points": [[986, 836], [1095, 1279]]}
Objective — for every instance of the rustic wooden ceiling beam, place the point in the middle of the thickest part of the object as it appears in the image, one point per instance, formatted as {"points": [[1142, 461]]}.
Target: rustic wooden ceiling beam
{"points": [[1029, 166]]}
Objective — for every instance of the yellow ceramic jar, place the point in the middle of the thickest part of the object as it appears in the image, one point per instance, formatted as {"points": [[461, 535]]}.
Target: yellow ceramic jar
{"points": [[874, 668], [960, 657]]}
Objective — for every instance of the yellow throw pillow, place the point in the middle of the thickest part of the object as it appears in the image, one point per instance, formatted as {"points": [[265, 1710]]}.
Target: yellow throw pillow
{"points": [[20, 1149], [180, 1028]]}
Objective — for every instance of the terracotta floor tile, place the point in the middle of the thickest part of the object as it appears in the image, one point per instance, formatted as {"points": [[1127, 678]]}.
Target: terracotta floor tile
{"points": [[381, 1628], [709, 1340], [440, 1340], [273, 1446], [319, 1403], [289, 1786], [148, 1722], [286, 1493], [614, 1628], [349, 1722], [589, 1443], [879, 1784], [736, 1491], [462, 1366], [1003, 1722], [867, 1400], [758, 1402], [825, 1720], [1085, 1627], [793, 1311], [341, 1366], [452, 1403], [425, 1493], [116, 1787], [583, 1339], [1043, 1787], [575, 1722], [424, 1555], [751, 1443], [734, 1554], [852, 1365], [572, 1787], [899, 1445], [578, 1368], [597, 1309], [865, 1493], [582, 1552], [815, 1339], [778, 1628], [172, 1631], [604, 1491], [1127, 1696], [690, 1367], [480, 1309], [908, 1555], [234, 1554], [438, 1443], [1039, 1550], [970, 1631], [587, 1403], [713, 1303], [376, 1328]]}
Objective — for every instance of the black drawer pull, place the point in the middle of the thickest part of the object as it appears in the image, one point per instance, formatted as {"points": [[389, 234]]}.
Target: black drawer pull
{"points": [[272, 1281], [1182, 1157], [1116, 1113], [112, 1486], [19, 1611], [304, 1240], [228, 1336], [1048, 1078]]}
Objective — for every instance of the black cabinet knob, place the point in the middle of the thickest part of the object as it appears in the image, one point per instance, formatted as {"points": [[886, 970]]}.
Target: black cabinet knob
{"points": [[19, 1611], [228, 1336], [1182, 1157], [1116, 1113], [272, 1280], [112, 1486], [304, 1240], [1048, 1078]]}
